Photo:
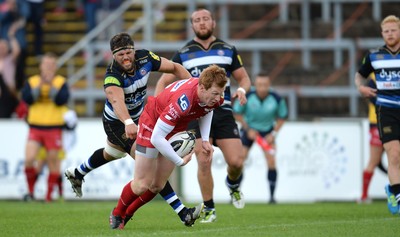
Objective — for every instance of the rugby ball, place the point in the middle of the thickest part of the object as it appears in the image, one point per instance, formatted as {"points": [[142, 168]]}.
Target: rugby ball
{"points": [[183, 142]]}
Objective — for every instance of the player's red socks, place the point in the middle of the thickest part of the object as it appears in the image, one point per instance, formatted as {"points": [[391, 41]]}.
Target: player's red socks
{"points": [[60, 186], [31, 176], [127, 197], [367, 176], [143, 199], [52, 181]]}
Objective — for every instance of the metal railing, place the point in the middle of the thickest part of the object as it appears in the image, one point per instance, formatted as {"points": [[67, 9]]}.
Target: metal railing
{"points": [[306, 45]]}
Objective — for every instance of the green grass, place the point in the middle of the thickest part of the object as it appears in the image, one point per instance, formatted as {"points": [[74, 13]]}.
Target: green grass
{"points": [[82, 218]]}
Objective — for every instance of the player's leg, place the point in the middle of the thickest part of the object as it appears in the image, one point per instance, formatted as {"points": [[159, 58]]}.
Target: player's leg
{"points": [[375, 152], [374, 159], [61, 157], [392, 149], [54, 172], [145, 168], [99, 158], [272, 174], [52, 143], [206, 183], [187, 215], [232, 150], [31, 150], [117, 146], [226, 134], [164, 169]]}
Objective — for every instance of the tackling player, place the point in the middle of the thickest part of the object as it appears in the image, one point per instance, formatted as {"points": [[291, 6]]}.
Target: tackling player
{"points": [[125, 86]]}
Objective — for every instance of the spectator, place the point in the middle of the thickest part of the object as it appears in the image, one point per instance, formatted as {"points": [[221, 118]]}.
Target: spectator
{"points": [[61, 4], [90, 8], [37, 18], [14, 13], [8, 58], [105, 9]]}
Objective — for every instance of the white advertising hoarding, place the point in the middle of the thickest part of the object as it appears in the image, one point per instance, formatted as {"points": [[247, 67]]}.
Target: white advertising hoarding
{"points": [[104, 183], [315, 161]]}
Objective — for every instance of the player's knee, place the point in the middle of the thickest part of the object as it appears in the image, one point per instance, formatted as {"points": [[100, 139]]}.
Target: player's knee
{"points": [[236, 164], [139, 187], [155, 188], [113, 153], [203, 163]]}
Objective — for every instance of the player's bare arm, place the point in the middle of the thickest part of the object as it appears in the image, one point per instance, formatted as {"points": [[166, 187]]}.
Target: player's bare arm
{"points": [[175, 68], [241, 76], [115, 95], [164, 81], [365, 91], [172, 71]]}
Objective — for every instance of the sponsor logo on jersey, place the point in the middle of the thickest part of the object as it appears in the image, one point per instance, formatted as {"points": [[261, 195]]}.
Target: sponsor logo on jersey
{"points": [[153, 55], [172, 112], [196, 72], [183, 102], [389, 75]]}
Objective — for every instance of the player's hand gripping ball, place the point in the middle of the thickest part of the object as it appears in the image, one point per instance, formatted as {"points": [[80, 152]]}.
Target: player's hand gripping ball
{"points": [[183, 142]]}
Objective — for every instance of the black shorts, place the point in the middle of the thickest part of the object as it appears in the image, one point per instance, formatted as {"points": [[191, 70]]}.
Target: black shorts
{"points": [[223, 125], [246, 141], [388, 123], [115, 131]]}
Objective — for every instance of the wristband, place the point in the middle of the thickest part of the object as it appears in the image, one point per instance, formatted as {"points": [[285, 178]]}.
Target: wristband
{"points": [[242, 90], [128, 121], [274, 133]]}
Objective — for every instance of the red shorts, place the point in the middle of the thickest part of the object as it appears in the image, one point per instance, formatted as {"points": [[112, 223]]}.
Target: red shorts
{"points": [[51, 139], [146, 126], [374, 139]]}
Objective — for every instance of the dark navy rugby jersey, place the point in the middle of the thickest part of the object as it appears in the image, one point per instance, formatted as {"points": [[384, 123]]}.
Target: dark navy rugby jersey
{"points": [[195, 59], [386, 67], [134, 85]]}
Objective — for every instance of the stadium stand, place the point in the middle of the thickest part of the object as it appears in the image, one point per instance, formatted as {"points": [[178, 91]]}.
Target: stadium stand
{"points": [[311, 48]]}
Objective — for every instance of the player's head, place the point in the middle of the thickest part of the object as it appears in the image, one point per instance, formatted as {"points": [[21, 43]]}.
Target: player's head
{"points": [[203, 23], [123, 50], [48, 66], [262, 84], [391, 30], [212, 84]]}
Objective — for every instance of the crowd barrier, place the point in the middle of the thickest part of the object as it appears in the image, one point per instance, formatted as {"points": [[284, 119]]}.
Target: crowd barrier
{"points": [[316, 161]]}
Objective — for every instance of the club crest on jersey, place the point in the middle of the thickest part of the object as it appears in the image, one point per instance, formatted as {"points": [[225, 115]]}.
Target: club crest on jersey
{"points": [[143, 71], [192, 55], [380, 56], [183, 102], [221, 52]]}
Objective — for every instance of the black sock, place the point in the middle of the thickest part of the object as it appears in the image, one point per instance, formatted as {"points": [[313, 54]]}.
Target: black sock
{"points": [[96, 160], [396, 192], [272, 176], [234, 184], [173, 200], [209, 203]]}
